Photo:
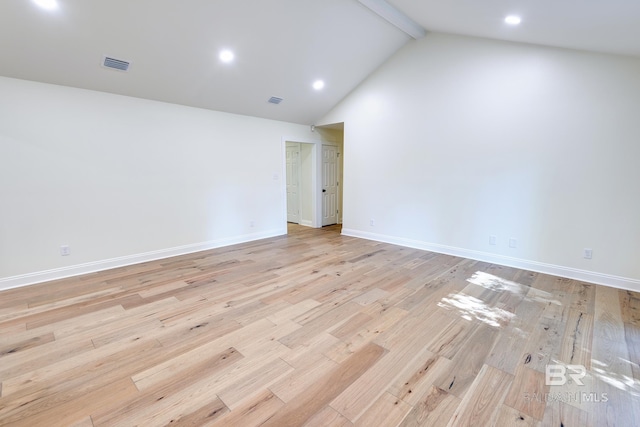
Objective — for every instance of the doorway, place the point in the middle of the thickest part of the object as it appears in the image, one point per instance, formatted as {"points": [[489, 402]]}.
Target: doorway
{"points": [[332, 172], [330, 184], [293, 181], [299, 179], [309, 168]]}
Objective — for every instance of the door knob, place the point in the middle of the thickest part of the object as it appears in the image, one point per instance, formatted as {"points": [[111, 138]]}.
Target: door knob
{"points": [[324, 191]]}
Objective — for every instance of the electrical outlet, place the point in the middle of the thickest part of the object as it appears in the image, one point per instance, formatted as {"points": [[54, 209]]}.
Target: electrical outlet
{"points": [[492, 240], [588, 253], [65, 250], [372, 222], [513, 242], [252, 224]]}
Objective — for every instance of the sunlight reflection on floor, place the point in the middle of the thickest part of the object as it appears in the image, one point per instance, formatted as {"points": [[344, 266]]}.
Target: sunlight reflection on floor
{"points": [[601, 380], [619, 381], [472, 308], [495, 283]]}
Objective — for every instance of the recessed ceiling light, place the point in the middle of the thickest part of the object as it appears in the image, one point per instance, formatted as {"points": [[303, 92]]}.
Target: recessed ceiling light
{"points": [[47, 4], [226, 56], [512, 20], [318, 85]]}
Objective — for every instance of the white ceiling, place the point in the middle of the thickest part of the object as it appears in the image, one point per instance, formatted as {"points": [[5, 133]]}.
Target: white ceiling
{"points": [[610, 26], [281, 46]]}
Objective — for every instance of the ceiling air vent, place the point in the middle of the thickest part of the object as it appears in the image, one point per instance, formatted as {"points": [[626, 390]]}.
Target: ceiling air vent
{"points": [[275, 100], [116, 64]]}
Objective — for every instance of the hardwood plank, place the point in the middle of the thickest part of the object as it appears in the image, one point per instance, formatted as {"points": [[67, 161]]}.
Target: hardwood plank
{"points": [[294, 310], [388, 410], [320, 344], [610, 355], [630, 307], [54, 352], [161, 289], [416, 379], [186, 360], [508, 351], [576, 343], [85, 422], [435, 408], [527, 313], [13, 331], [509, 417], [51, 317], [527, 383], [250, 382], [163, 392], [481, 405], [544, 343], [254, 412], [606, 398], [82, 319], [560, 414], [611, 364], [313, 399], [76, 373], [404, 348], [308, 370], [352, 325], [71, 411], [632, 338], [330, 298], [583, 298], [468, 362], [30, 311], [204, 416], [321, 323], [370, 296], [328, 417], [124, 332], [20, 346], [94, 328], [560, 297], [385, 320], [270, 341], [451, 334], [192, 397]]}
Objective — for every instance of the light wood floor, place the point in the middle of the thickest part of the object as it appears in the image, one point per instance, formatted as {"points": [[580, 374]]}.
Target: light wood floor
{"points": [[317, 329]]}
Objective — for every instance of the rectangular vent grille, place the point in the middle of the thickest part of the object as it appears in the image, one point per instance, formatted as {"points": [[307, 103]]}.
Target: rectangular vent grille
{"points": [[116, 64], [275, 100]]}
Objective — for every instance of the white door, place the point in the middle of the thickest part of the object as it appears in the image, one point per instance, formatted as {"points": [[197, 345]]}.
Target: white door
{"points": [[293, 181], [329, 185]]}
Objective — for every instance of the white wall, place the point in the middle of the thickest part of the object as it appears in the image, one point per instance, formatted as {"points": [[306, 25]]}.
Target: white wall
{"points": [[126, 178], [455, 139]]}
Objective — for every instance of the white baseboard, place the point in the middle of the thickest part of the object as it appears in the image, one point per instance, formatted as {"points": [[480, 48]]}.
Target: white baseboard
{"points": [[306, 223], [540, 267], [92, 267]]}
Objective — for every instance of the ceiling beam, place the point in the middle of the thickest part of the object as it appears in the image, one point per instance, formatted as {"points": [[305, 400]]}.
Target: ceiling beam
{"points": [[395, 17]]}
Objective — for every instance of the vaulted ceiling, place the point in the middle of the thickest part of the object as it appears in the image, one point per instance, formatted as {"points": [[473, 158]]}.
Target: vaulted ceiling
{"points": [[281, 46]]}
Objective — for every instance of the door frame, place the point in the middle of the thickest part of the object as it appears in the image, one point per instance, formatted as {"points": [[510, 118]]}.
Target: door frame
{"points": [[316, 183], [338, 179], [299, 207]]}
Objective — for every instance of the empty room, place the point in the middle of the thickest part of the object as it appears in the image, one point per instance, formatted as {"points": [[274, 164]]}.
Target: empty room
{"points": [[319, 213]]}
